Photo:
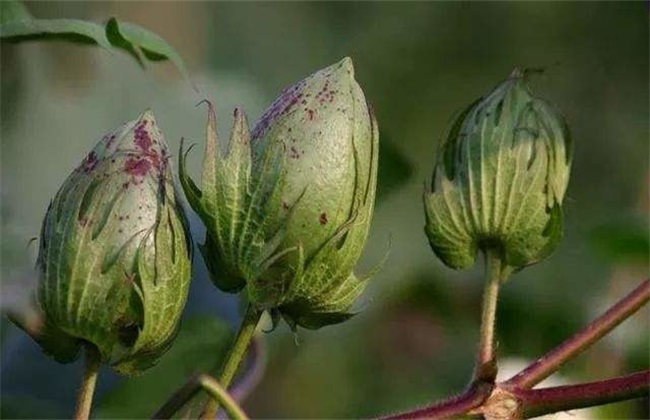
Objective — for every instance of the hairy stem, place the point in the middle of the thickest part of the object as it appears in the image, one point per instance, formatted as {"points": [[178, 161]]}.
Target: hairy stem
{"points": [[537, 402], [235, 357], [486, 365], [454, 407], [553, 361], [92, 361]]}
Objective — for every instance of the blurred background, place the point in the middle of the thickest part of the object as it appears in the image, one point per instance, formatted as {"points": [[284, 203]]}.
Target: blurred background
{"points": [[419, 64]]}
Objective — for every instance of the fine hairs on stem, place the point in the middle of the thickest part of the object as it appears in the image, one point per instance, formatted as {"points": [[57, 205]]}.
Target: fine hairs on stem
{"points": [[92, 362], [540, 401], [486, 365]]}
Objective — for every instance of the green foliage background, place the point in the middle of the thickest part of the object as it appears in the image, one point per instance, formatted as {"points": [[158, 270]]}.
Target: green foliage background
{"points": [[419, 64]]}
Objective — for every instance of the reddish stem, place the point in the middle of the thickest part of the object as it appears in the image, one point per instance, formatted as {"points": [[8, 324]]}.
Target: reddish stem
{"points": [[547, 400], [537, 402], [553, 361], [473, 397]]}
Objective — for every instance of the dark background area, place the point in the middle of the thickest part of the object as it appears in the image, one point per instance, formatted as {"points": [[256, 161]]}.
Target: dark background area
{"points": [[419, 64]]}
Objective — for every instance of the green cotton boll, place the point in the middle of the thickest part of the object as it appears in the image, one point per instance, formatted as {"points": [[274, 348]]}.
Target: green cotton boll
{"points": [[500, 179], [288, 207], [114, 258]]}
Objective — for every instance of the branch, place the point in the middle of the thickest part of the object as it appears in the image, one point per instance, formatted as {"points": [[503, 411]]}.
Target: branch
{"points": [[473, 397], [220, 394], [553, 361], [252, 376], [537, 402], [515, 394], [240, 390], [191, 387], [235, 356], [178, 398]]}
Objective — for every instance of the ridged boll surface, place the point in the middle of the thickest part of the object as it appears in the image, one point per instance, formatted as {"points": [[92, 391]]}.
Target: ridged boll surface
{"points": [[114, 257], [500, 179], [288, 207]]}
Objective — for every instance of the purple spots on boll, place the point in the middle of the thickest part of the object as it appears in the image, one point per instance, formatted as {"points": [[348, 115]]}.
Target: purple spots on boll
{"points": [[326, 95], [90, 162], [109, 140], [140, 163], [283, 105], [142, 137], [137, 166]]}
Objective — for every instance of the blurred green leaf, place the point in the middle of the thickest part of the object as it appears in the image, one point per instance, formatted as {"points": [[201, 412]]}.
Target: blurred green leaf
{"points": [[72, 30], [24, 407], [142, 43], [13, 10], [199, 347], [394, 168], [18, 25], [622, 241]]}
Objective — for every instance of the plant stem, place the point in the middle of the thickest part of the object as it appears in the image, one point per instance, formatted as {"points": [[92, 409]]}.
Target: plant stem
{"points": [[552, 361], [486, 366], [235, 356], [252, 376], [219, 394], [477, 398], [238, 393], [454, 407], [537, 402], [92, 361], [178, 398]]}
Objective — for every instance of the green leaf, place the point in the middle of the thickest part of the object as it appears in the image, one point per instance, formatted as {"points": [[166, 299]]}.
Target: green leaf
{"points": [[13, 10], [317, 320], [72, 30], [395, 169], [26, 407], [18, 25], [200, 346], [622, 241], [142, 43]]}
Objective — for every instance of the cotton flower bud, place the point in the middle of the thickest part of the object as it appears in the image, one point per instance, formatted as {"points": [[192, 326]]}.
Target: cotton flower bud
{"points": [[288, 208], [114, 257], [500, 180]]}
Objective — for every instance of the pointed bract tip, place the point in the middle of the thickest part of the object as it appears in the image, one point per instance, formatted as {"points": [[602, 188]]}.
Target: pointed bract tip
{"points": [[147, 115], [347, 65], [517, 73]]}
